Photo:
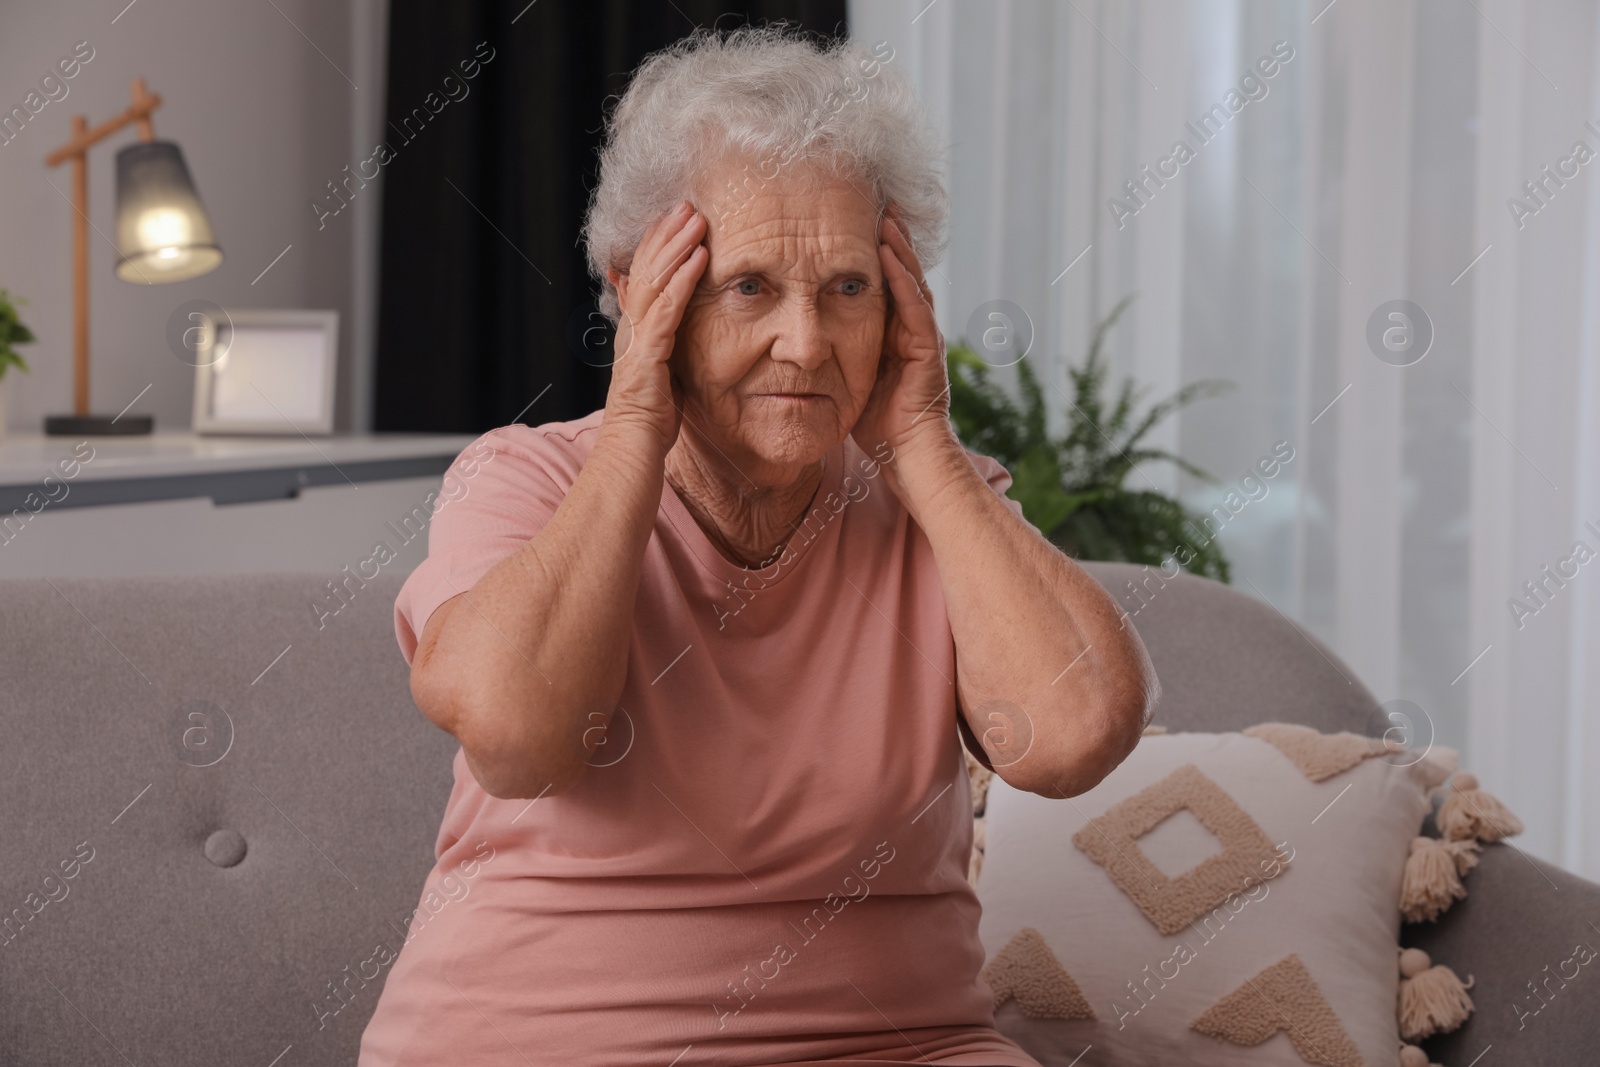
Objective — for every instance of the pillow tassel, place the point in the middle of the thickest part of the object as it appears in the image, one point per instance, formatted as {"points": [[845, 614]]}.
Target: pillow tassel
{"points": [[1471, 812], [1433, 1000], [1412, 1056], [1432, 880], [1464, 852]]}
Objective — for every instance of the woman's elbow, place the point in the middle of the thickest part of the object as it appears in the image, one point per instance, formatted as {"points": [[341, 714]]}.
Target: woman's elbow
{"points": [[509, 756], [512, 761], [512, 776], [1080, 759]]}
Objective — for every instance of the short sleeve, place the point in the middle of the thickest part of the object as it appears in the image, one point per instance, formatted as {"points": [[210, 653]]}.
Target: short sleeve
{"points": [[999, 479], [497, 494]]}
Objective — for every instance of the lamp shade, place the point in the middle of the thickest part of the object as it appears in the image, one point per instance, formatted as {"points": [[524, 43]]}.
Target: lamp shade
{"points": [[163, 234]]}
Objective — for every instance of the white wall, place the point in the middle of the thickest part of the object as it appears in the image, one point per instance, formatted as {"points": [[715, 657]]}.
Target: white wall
{"points": [[252, 95]]}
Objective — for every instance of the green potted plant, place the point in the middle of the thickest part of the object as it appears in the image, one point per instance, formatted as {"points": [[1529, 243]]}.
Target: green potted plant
{"points": [[12, 333], [1072, 487]]}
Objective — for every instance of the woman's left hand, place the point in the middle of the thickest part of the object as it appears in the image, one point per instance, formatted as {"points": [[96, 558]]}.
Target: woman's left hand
{"points": [[911, 400]]}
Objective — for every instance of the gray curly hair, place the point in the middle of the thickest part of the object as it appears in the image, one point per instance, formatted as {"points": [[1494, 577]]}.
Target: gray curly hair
{"points": [[775, 97]]}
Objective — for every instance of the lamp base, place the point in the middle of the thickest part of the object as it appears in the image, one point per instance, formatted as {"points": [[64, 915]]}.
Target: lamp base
{"points": [[99, 425]]}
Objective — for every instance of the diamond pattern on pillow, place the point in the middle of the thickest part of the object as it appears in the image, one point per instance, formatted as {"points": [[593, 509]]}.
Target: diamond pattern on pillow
{"points": [[1029, 973], [1173, 903], [1282, 997], [1319, 756]]}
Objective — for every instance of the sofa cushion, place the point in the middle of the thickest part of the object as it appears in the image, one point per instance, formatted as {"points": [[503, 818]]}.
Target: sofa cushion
{"points": [[246, 803]]}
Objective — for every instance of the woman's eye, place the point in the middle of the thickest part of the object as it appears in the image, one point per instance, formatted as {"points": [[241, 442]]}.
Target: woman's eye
{"points": [[853, 287], [748, 287]]}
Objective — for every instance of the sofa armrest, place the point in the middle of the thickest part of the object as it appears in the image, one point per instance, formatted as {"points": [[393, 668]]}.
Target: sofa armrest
{"points": [[1523, 921]]}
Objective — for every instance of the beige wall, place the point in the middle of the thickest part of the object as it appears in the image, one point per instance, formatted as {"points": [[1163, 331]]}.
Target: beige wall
{"points": [[264, 121]]}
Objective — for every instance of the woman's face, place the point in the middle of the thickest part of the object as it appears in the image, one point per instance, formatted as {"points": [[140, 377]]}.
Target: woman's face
{"points": [[779, 346]]}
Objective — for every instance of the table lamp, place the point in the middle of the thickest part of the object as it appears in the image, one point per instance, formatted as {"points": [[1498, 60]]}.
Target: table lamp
{"points": [[163, 235]]}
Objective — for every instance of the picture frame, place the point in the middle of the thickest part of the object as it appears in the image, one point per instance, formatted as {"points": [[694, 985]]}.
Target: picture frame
{"points": [[266, 372]]}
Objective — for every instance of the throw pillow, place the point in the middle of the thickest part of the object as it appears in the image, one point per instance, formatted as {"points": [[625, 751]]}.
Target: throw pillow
{"points": [[1228, 899]]}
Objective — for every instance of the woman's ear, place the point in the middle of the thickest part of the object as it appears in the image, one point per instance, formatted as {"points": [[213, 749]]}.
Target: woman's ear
{"points": [[891, 211], [619, 279]]}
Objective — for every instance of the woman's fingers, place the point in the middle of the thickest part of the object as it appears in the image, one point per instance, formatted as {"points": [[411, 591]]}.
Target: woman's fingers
{"points": [[911, 299], [651, 332], [661, 322], [661, 278], [896, 237], [664, 247], [657, 233], [676, 248], [666, 310]]}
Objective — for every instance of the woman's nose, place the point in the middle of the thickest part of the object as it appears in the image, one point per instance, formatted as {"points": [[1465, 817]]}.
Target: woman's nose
{"points": [[800, 338]]}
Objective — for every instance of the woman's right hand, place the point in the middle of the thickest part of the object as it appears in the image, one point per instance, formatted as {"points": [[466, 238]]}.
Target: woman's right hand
{"points": [[653, 293]]}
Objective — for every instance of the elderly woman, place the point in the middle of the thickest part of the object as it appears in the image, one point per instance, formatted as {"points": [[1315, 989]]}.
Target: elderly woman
{"points": [[711, 652]]}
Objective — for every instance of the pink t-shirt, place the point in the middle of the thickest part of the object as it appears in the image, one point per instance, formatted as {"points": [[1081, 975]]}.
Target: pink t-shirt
{"points": [[766, 860]]}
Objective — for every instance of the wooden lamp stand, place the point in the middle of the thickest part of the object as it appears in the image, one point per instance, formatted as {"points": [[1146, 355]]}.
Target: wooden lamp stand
{"points": [[77, 150]]}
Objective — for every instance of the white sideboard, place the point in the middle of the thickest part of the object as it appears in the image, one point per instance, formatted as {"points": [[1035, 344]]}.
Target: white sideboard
{"points": [[177, 503]]}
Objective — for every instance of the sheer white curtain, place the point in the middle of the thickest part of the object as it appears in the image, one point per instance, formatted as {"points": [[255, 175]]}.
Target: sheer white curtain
{"points": [[1378, 162]]}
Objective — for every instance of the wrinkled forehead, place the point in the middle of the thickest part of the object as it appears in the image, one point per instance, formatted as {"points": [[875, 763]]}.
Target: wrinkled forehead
{"points": [[803, 220]]}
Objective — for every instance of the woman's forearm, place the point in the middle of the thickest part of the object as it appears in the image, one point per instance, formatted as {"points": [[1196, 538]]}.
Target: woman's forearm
{"points": [[534, 655], [1045, 664]]}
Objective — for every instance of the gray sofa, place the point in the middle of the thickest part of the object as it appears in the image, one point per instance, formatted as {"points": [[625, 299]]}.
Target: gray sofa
{"points": [[214, 812]]}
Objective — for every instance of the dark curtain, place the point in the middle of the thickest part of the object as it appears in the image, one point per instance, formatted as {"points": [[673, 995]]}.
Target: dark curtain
{"points": [[485, 305]]}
